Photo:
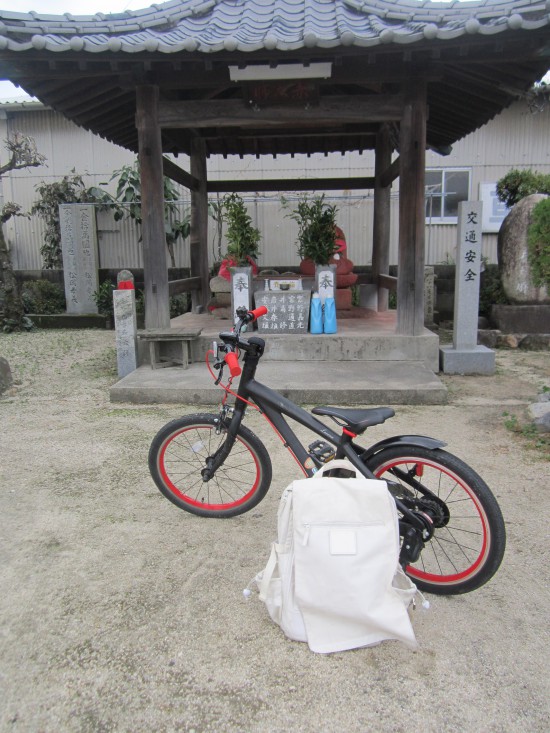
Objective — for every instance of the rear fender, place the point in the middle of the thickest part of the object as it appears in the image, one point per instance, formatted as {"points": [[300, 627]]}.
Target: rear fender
{"points": [[403, 441]]}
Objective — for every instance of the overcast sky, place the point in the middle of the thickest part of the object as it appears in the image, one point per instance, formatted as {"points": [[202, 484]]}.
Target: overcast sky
{"points": [[76, 7]]}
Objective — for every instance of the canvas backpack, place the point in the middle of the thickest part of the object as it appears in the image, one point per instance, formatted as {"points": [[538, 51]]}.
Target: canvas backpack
{"points": [[333, 577]]}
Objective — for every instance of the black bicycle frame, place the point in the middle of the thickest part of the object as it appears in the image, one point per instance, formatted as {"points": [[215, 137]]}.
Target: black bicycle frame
{"points": [[274, 406]]}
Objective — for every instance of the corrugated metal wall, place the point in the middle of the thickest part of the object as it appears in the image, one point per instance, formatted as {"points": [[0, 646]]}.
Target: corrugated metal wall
{"points": [[516, 138]]}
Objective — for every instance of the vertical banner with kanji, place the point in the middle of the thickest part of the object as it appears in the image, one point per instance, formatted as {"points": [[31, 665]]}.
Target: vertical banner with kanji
{"points": [[468, 272], [241, 289]]}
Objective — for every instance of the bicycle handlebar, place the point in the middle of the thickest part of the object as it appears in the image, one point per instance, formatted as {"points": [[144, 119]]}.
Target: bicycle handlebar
{"points": [[253, 315], [232, 361], [233, 341]]}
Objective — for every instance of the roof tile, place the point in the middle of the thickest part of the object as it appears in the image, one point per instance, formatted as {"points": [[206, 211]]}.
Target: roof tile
{"points": [[215, 25]]}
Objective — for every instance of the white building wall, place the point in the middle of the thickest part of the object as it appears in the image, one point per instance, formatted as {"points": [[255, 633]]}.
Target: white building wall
{"points": [[514, 139]]}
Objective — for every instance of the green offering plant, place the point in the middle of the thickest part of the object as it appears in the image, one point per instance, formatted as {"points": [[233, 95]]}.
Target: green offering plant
{"points": [[316, 228], [242, 237]]}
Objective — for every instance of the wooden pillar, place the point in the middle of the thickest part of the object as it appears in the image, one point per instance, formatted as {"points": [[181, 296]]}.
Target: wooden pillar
{"points": [[410, 277], [155, 268], [381, 222], [199, 223]]}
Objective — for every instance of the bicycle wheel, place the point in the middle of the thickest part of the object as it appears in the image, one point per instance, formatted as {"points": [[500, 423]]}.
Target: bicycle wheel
{"points": [[469, 535], [178, 455]]}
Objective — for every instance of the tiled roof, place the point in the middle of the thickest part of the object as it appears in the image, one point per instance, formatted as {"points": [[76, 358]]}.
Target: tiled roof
{"points": [[476, 58], [210, 26]]}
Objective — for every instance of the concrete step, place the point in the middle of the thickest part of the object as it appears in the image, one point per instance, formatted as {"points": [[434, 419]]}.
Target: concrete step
{"points": [[325, 382], [343, 347], [368, 336]]}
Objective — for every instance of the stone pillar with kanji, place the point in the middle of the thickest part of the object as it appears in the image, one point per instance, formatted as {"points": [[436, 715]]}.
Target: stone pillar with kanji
{"points": [[466, 356]]}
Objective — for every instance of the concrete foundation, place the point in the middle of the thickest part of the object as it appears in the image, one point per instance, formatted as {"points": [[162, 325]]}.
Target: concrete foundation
{"points": [[330, 383], [365, 363], [479, 360]]}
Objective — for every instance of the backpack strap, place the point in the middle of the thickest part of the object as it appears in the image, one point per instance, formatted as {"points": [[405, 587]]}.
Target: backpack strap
{"points": [[334, 464], [267, 574]]}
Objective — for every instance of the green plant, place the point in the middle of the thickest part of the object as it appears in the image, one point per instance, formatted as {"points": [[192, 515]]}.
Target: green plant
{"points": [[11, 324], [103, 298], [69, 190], [42, 296], [127, 201], [215, 211], [316, 228], [179, 304], [242, 237], [22, 154], [529, 433], [538, 242], [491, 291], [517, 184]]}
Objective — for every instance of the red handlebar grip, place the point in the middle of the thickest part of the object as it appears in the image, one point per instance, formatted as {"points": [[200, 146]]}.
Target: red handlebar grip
{"points": [[257, 312], [232, 361]]}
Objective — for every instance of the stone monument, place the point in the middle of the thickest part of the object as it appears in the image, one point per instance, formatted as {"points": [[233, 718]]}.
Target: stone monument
{"points": [[529, 312], [465, 356], [6, 379], [124, 305], [80, 257]]}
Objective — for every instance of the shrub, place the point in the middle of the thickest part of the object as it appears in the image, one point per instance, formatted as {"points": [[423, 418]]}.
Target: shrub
{"points": [[69, 190], [103, 297], [179, 304], [491, 291], [517, 184], [538, 241], [42, 296]]}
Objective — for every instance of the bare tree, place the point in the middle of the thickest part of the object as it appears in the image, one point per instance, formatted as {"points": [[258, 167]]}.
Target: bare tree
{"points": [[22, 154]]}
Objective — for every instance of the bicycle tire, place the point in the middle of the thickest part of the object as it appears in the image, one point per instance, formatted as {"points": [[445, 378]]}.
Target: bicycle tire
{"points": [[467, 547], [177, 456]]}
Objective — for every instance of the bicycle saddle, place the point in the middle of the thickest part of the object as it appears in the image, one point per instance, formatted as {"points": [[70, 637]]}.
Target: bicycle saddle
{"points": [[356, 420]]}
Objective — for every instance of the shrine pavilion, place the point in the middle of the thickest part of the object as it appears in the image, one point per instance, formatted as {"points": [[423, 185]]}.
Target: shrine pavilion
{"points": [[273, 77]]}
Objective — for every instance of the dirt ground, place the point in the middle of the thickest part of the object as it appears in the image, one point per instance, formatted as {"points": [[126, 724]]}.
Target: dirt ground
{"points": [[119, 612]]}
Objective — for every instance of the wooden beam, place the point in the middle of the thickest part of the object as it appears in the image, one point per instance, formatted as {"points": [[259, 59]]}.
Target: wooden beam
{"points": [[381, 217], [177, 174], [291, 184], [155, 270], [389, 174], [388, 282], [199, 223], [185, 285], [301, 132], [412, 215], [233, 112]]}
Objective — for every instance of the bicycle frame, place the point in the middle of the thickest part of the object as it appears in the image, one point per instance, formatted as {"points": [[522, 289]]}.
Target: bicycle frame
{"points": [[275, 406]]}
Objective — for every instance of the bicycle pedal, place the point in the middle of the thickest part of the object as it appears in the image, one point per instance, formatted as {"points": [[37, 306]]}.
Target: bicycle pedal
{"points": [[321, 450]]}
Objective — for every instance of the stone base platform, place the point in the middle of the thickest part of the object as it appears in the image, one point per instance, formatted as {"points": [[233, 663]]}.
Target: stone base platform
{"points": [[479, 360], [521, 318], [364, 363], [328, 382]]}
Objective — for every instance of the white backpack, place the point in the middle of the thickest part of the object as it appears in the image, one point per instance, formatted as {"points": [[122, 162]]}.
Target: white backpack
{"points": [[333, 578]]}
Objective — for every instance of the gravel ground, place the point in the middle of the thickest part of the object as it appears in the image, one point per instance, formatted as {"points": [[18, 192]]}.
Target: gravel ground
{"points": [[120, 612]]}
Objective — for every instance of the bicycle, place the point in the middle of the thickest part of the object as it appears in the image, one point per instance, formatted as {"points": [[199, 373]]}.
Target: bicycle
{"points": [[452, 530]]}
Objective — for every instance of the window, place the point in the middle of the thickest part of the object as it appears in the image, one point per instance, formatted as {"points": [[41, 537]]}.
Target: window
{"points": [[444, 191]]}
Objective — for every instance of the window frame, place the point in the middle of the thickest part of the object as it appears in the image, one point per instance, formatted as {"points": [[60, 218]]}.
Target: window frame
{"points": [[444, 172]]}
